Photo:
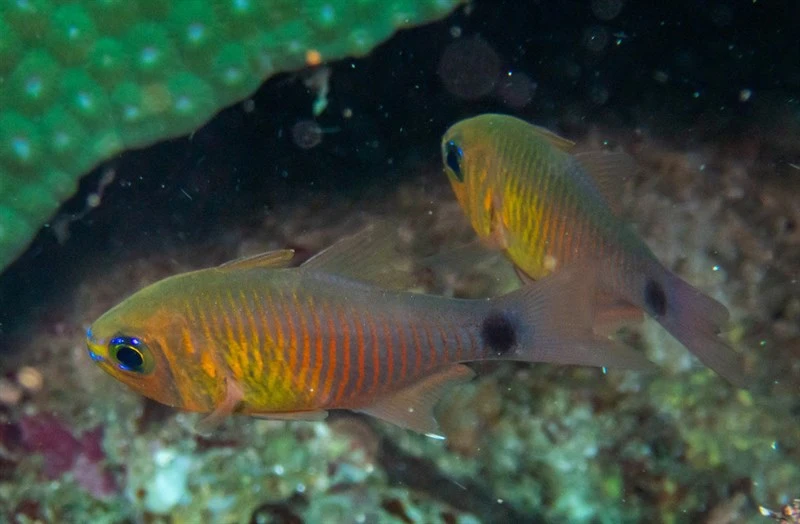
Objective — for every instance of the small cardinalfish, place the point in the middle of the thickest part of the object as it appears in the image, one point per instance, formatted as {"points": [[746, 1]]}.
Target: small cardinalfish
{"points": [[526, 194], [254, 336]]}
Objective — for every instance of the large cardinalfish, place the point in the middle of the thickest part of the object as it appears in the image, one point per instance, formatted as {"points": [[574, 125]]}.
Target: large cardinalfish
{"points": [[526, 194], [256, 337]]}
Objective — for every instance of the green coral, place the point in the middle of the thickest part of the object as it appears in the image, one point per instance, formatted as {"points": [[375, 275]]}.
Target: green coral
{"points": [[81, 81]]}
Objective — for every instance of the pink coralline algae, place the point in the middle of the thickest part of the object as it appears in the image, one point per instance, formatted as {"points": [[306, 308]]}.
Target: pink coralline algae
{"points": [[63, 452]]}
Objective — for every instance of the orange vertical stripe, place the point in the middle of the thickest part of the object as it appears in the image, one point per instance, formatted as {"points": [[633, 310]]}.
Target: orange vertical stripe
{"points": [[255, 339], [417, 349], [318, 348], [192, 321], [242, 350], [291, 331], [330, 355], [389, 352], [270, 315], [343, 377], [357, 320], [186, 337], [204, 325], [433, 354], [403, 353], [275, 319], [305, 363], [376, 359], [459, 346], [445, 343]]}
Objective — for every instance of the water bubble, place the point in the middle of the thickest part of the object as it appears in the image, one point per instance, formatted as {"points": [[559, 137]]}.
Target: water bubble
{"points": [[599, 94], [516, 90], [469, 68], [607, 9], [306, 134]]}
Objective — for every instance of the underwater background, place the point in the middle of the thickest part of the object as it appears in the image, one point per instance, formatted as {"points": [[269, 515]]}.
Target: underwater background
{"points": [[346, 130]]}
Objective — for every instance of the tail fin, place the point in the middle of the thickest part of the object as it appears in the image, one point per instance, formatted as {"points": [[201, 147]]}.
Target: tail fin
{"points": [[696, 320], [555, 318]]}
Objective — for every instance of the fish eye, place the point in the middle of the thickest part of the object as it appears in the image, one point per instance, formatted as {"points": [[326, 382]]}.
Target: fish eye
{"points": [[452, 156], [130, 354]]}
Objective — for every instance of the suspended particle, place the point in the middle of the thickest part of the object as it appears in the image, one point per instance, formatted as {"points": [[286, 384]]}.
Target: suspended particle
{"points": [[596, 38], [745, 94]]}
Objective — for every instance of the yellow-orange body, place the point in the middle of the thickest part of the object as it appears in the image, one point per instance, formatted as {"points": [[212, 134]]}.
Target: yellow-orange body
{"points": [[290, 342], [294, 341], [528, 195], [535, 200]]}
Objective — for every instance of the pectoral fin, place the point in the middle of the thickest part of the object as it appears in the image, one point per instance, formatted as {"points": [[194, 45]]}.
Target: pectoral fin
{"points": [[498, 235], [412, 407], [233, 396]]}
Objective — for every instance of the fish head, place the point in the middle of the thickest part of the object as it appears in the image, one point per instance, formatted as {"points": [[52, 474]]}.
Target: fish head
{"points": [[130, 342], [468, 151]]}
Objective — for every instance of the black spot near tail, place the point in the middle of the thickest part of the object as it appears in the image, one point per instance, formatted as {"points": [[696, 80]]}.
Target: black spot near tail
{"points": [[655, 299], [498, 333]]}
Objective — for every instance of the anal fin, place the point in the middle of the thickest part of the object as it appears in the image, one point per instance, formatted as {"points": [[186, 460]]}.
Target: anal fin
{"points": [[293, 415], [412, 407]]}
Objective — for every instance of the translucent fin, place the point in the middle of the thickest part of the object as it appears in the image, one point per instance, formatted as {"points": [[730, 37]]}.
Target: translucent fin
{"points": [[696, 321], [609, 171], [523, 276], [555, 319], [271, 259], [412, 407], [297, 415], [369, 256], [464, 258], [556, 141], [471, 258], [233, 396], [610, 314]]}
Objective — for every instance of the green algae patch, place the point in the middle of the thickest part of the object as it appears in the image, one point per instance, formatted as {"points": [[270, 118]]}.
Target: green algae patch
{"points": [[83, 81]]}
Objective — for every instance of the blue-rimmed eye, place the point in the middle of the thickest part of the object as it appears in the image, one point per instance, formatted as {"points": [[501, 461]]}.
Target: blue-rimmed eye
{"points": [[452, 157], [130, 354]]}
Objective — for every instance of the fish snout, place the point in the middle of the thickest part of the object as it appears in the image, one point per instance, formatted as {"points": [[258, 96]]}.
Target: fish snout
{"points": [[94, 349]]}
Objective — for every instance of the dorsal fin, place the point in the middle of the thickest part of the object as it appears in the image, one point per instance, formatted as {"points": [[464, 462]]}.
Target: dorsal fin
{"points": [[271, 259], [370, 255], [609, 171], [556, 141]]}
